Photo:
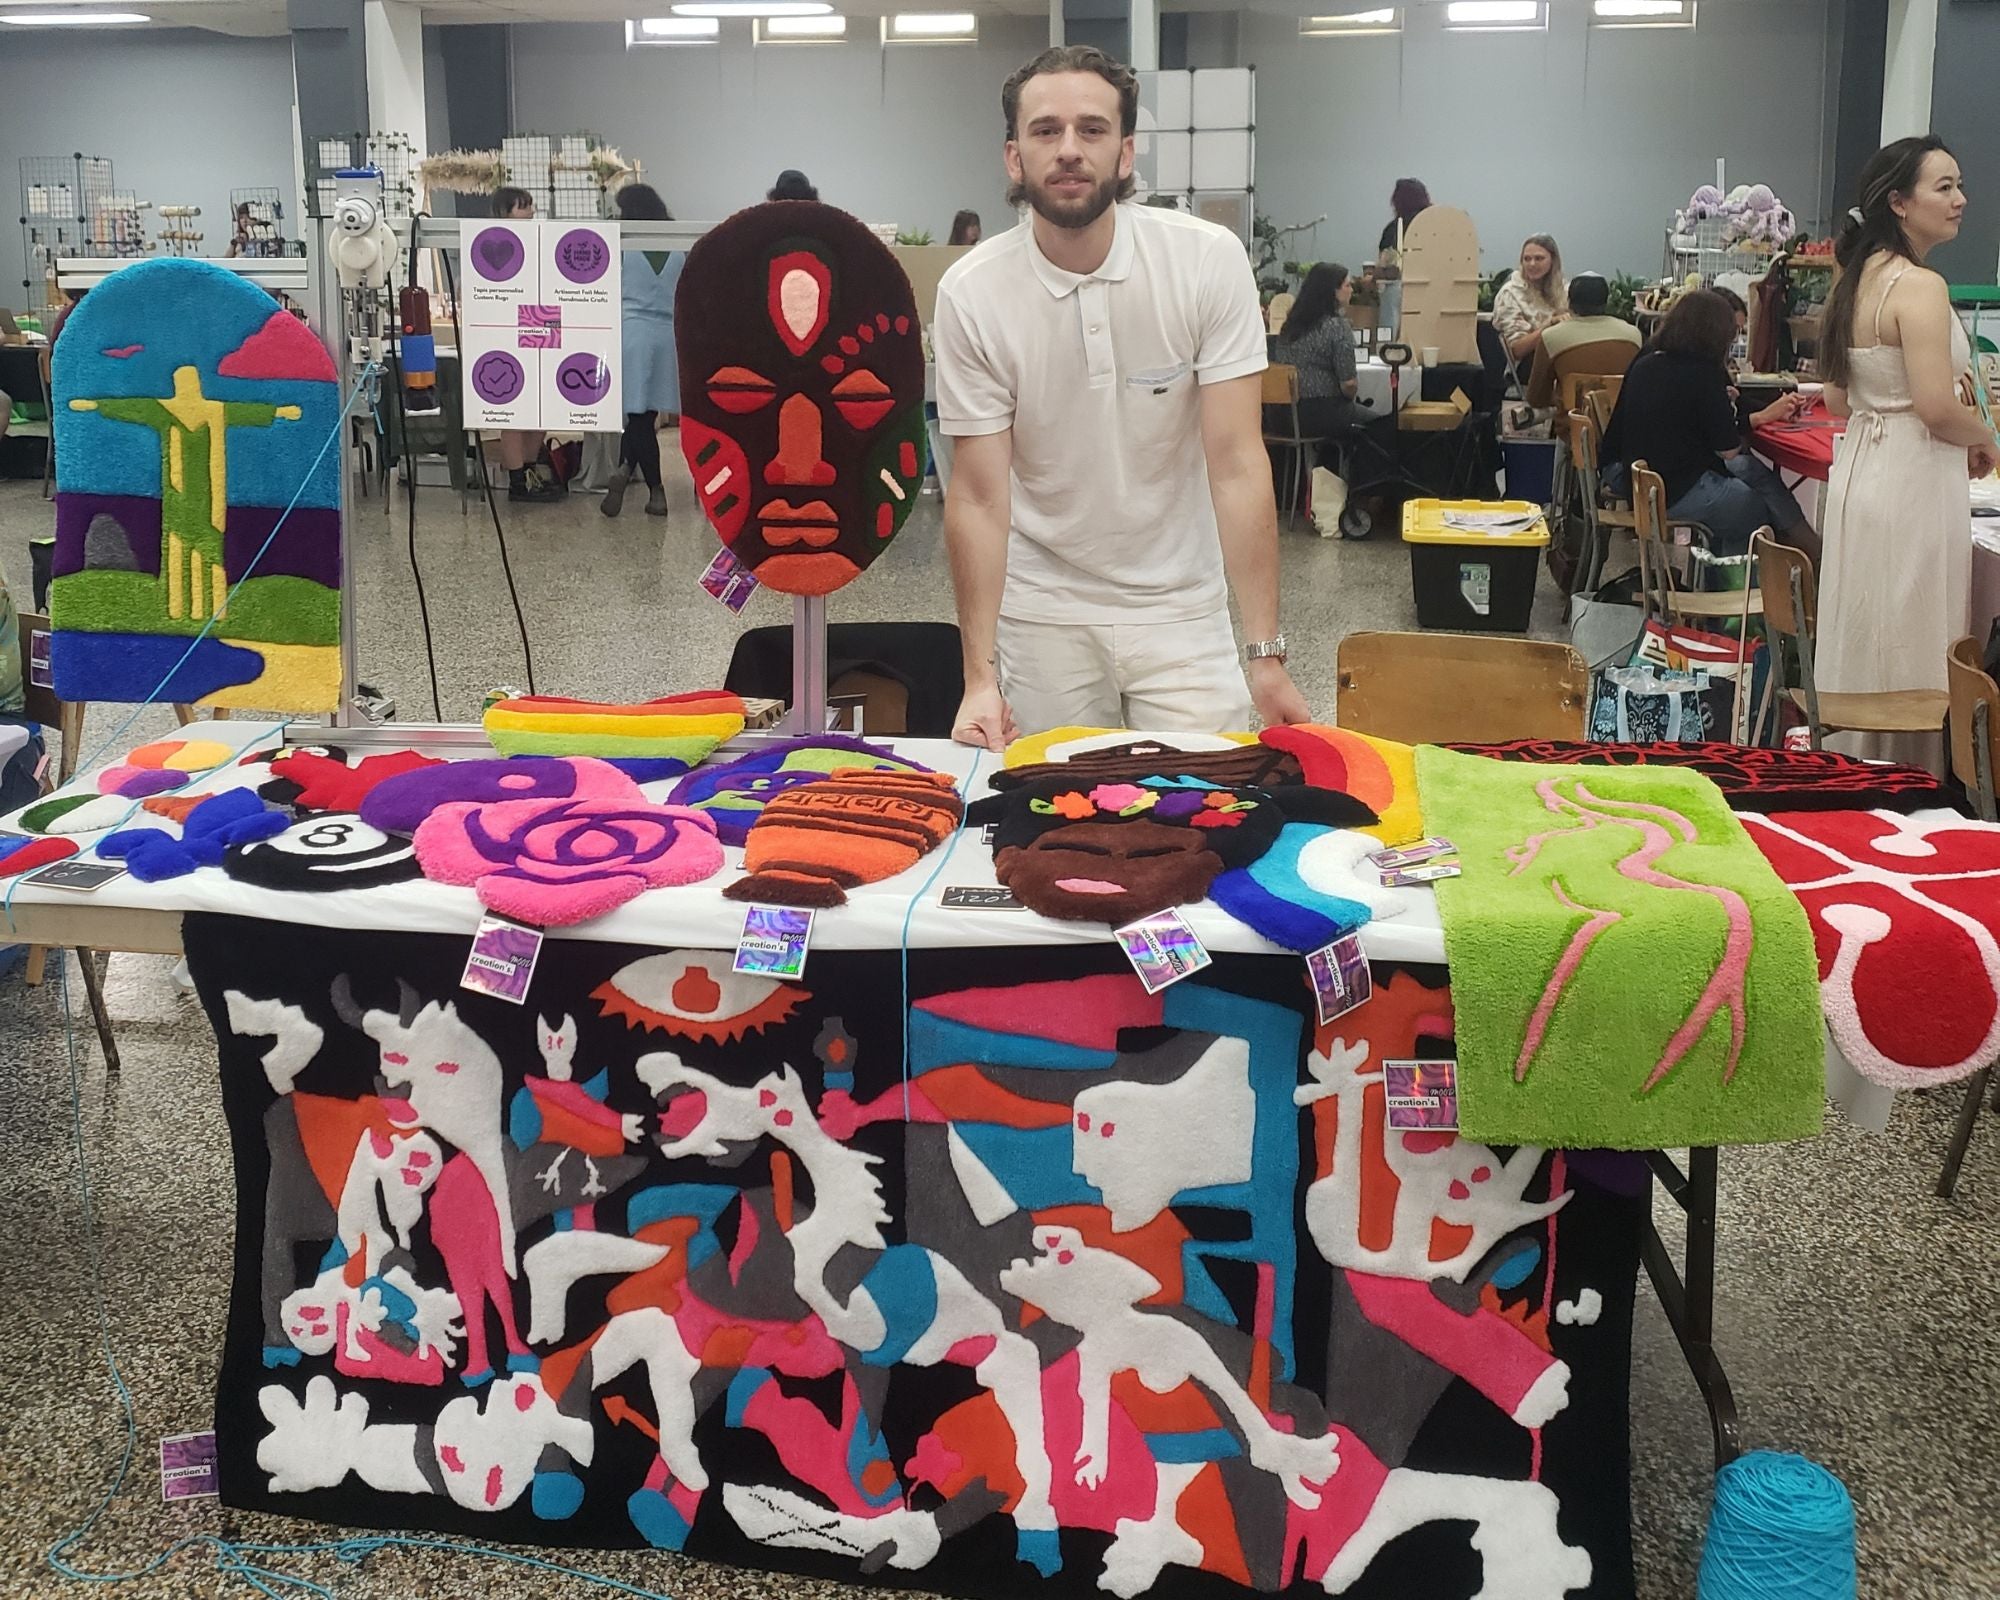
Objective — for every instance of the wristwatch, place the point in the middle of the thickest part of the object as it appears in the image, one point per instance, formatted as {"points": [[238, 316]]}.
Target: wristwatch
{"points": [[1272, 649]]}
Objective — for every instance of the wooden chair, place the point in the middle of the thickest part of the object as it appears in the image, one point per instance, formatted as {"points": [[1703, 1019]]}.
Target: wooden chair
{"points": [[1975, 726], [1281, 391], [1659, 594], [1586, 444], [1277, 311], [1602, 401], [42, 706], [1442, 688], [1791, 611]]}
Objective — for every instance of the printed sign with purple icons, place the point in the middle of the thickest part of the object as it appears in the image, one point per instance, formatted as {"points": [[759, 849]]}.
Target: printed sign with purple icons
{"points": [[498, 254], [583, 379], [497, 378], [582, 254], [541, 327]]}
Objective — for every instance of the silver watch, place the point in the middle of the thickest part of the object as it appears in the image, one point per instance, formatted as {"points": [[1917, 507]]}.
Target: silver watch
{"points": [[1272, 649]]}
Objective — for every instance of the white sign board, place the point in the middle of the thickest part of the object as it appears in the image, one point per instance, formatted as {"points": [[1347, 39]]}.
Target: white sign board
{"points": [[541, 329]]}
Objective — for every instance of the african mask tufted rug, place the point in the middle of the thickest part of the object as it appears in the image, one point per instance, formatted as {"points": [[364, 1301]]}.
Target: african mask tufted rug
{"points": [[1112, 1293], [1628, 969]]}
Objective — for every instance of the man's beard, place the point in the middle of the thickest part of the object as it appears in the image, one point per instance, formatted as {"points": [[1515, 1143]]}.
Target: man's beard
{"points": [[1074, 214]]}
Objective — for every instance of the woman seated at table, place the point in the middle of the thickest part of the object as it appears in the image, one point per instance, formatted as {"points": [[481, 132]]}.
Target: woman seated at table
{"points": [[1319, 341], [1674, 414], [1532, 300]]}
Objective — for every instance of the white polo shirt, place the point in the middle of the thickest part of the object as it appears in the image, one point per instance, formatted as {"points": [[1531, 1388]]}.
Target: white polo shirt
{"points": [[1097, 376]]}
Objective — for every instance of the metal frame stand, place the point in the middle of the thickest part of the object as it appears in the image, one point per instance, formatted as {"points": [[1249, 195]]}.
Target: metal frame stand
{"points": [[1687, 1295], [807, 716]]}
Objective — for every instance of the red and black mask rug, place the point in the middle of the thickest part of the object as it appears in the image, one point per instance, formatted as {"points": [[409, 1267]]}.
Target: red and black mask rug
{"points": [[802, 376]]}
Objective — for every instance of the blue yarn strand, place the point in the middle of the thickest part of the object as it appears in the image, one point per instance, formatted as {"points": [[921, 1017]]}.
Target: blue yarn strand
{"points": [[1782, 1528]]}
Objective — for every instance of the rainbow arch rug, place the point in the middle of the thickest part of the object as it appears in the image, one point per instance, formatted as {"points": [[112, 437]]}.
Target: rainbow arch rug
{"points": [[189, 413]]}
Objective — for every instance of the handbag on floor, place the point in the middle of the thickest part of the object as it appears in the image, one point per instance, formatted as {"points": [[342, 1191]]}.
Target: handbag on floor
{"points": [[1735, 676], [1647, 705]]}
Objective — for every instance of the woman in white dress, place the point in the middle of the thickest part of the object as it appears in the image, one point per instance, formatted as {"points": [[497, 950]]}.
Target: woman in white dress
{"points": [[1898, 559]]}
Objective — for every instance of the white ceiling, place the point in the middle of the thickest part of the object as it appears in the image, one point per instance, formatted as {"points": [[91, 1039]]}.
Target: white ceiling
{"points": [[267, 17]]}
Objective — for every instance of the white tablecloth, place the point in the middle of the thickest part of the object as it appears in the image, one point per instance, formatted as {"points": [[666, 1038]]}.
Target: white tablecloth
{"points": [[876, 916]]}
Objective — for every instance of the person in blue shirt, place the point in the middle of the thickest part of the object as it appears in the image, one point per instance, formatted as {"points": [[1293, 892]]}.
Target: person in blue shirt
{"points": [[652, 366]]}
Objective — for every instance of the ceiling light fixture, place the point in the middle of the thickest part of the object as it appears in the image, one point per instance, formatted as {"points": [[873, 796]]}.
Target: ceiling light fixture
{"points": [[674, 30], [1494, 13], [754, 8], [72, 19], [1349, 23], [933, 25], [794, 28]]}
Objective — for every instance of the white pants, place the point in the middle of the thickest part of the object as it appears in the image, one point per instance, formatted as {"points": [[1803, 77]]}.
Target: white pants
{"points": [[1162, 677]]}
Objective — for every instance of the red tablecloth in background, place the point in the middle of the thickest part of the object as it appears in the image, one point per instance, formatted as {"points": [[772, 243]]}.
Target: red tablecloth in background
{"points": [[1803, 445]]}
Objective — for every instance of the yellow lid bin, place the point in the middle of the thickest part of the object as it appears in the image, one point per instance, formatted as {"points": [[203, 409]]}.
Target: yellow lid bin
{"points": [[1473, 562]]}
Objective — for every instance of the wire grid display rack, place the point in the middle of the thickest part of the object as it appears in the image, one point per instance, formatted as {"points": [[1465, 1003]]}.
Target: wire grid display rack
{"points": [[530, 162], [71, 207], [1707, 252], [571, 177], [391, 154], [257, 223]]}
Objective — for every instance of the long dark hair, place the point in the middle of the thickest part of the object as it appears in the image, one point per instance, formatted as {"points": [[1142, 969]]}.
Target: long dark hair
{"points": [[1892, 170], [641, 202], [506, 201], [1319, 298], [1700, 324], [1408, 198], [962, 224]]}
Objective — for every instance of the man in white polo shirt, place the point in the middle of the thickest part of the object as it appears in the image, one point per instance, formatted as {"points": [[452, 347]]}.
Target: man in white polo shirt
{"points": [[1098, 366]]}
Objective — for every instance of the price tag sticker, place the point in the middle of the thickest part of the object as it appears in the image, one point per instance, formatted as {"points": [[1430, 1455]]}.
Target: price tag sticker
{"points": [[728, 580], [502, 959], [1340, 977], [187, 1467], [82, 876], [1422, 1096], [774, 941], [981, 897], [1163, 949]]}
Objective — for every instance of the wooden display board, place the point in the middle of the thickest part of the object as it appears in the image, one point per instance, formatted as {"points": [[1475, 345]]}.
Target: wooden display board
{"points": [[1441, 285]]}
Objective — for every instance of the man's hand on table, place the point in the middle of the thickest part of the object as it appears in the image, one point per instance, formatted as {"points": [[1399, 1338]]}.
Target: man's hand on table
{"points": [[1276, 697], [985, 719]]}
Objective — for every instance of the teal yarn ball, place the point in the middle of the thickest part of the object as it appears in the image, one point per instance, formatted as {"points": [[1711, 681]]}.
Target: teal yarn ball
{"points": [[1781, 1528]]}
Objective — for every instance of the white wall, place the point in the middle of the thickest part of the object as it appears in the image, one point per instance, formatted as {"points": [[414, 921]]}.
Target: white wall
{"points": [[1593, 135], [184, 116], [907, 134]]}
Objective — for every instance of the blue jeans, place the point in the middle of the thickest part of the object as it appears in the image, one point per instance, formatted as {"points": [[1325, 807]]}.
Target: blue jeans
{"points": [[1735, 503]]}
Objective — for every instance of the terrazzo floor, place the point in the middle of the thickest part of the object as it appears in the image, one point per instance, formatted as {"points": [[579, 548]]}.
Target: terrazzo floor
{"points": [[1849, 1313]]}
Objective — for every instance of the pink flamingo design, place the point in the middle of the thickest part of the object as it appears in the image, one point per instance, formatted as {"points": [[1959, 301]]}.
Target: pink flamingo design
{"points": [[1660, 829]]}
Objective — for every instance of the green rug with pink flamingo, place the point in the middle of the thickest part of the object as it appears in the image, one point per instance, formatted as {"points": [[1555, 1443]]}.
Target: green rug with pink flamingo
{"points": [[1627, 970]]}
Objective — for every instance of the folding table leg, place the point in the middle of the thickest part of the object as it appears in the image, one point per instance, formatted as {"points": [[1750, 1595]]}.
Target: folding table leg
{"points": [[93, 987], [1961, 1138]]}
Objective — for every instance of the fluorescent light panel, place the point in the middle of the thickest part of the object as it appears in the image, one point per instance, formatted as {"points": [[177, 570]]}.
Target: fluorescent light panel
{"points": [[754, 8], [1494, 14], [931, 25], [672, 30], [1389, 20], [778, 30], [72, 19], [1643, 13]]}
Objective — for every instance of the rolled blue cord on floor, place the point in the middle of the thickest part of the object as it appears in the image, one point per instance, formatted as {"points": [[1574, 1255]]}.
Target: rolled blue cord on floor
{"points": [[1781, 1528]]}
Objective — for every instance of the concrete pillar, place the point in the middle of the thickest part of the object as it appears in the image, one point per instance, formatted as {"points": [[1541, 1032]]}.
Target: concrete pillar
{"points": [[1143, 25], [1907, 68], [394, 36]]}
